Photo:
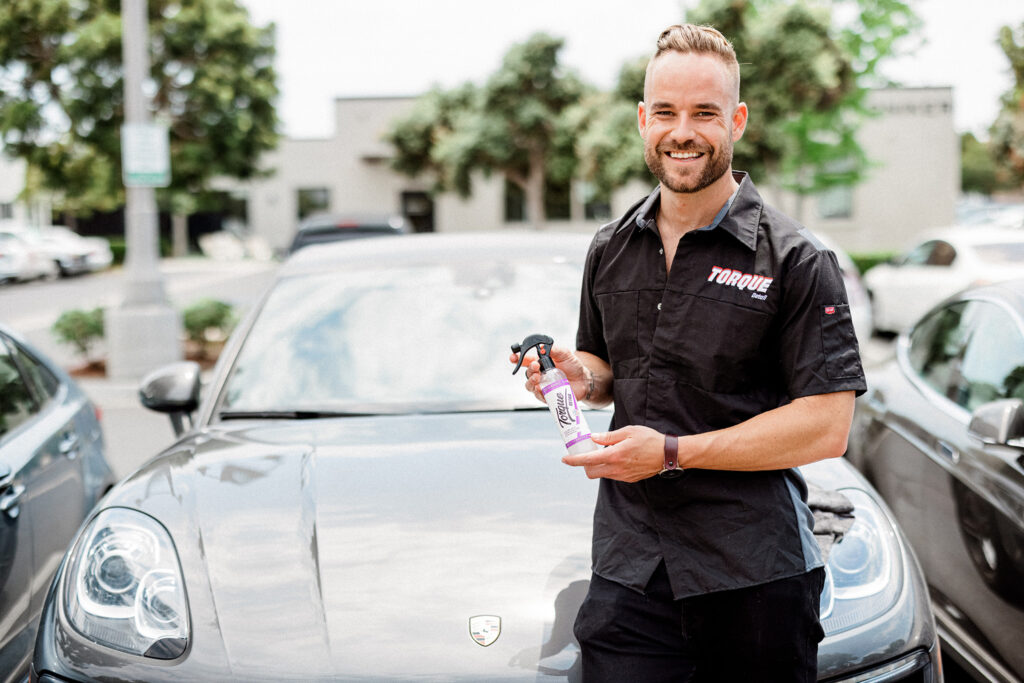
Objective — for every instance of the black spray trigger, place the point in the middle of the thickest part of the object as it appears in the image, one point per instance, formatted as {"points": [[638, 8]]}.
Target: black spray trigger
{"points": [[543, 344]]}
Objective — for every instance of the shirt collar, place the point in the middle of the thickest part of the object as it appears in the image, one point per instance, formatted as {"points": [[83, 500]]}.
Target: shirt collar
{"points": [[739, 215]]}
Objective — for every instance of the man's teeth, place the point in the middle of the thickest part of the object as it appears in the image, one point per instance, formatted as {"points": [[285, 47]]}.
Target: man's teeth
{"points": [[684, 155]]}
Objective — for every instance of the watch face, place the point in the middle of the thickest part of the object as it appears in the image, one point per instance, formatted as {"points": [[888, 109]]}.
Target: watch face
{"points": [[670, 474]]}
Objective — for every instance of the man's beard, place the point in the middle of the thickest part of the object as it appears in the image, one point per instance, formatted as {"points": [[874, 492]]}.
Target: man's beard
{"points": [[715, 166]]}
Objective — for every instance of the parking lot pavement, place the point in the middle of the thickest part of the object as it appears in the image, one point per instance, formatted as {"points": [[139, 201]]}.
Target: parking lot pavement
{"points": [[132, 434]]}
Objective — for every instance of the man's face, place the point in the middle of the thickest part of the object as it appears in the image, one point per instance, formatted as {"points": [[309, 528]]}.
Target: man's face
{"points": [[689, 120]]}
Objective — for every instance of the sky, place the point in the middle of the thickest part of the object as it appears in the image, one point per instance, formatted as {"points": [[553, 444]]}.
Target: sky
{"points": [[343, 48]]}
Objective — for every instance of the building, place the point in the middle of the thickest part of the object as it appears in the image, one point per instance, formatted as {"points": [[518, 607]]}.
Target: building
{"points": [[913, 184]]}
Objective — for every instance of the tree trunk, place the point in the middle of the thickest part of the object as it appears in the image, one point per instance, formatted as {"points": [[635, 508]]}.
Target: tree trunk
{"points": [[179, 235], [534, 188]]}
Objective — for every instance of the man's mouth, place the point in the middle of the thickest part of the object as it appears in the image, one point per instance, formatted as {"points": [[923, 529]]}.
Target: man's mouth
{"points": [[685, 155]]}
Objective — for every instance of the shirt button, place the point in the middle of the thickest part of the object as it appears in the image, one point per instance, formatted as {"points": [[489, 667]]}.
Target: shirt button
{"points": [[659, 305], [662, 251]]}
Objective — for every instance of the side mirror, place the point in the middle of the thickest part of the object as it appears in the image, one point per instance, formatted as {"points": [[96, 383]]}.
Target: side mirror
{"points": [[172, 389], [999, 422]]}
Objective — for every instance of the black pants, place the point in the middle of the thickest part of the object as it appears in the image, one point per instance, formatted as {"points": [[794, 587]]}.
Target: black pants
{"points": [[762, 634]]}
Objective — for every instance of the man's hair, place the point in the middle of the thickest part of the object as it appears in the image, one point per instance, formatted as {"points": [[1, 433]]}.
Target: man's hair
{"points": [[701, 40]]}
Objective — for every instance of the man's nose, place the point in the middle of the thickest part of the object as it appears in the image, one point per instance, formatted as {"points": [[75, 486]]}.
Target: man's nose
{"points": [[683, 130]]}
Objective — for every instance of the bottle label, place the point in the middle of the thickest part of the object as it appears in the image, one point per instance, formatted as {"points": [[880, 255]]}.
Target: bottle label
{"points": [[563, 406]]}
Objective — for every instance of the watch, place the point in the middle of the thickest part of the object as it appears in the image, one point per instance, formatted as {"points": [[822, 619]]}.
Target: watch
{"points": [[671, 469]]}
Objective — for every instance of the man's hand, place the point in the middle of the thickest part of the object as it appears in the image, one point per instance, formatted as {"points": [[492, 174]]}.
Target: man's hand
{"points": [[566, 361], [631, 454]]}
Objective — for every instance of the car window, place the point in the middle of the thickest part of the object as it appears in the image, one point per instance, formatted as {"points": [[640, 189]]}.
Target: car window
{"points": [[16, 402], [931, 253], [45, 383], [936, 346], [993, 360], [401, 339]]}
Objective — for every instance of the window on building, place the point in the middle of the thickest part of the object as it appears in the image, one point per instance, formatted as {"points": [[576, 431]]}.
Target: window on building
{"points": [[836, 202], [313, 200], [557, 204], [597, 206], [6, 210]]}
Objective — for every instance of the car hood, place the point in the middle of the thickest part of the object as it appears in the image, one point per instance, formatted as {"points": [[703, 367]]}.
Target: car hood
{"points": [[365, 547]]}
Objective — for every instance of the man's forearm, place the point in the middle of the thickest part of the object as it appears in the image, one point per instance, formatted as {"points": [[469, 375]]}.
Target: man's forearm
{"points": [[599, 391], [803, 431]]}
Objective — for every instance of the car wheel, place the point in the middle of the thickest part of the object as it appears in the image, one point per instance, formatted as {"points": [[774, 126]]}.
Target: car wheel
{"points": [[984, 535]]}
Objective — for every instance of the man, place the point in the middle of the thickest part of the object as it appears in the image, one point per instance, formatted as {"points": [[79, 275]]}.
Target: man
{"points": [[708, 316]]}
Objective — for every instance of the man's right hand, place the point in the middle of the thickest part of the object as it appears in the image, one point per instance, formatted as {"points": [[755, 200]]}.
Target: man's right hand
{"points": [[565, 360]]}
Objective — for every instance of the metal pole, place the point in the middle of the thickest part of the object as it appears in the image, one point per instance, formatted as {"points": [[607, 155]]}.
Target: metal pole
{"points": [[143, 332]]}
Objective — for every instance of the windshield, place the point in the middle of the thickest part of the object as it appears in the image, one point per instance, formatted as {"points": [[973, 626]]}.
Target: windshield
{"points": [[1001, 253], [421, 338]]}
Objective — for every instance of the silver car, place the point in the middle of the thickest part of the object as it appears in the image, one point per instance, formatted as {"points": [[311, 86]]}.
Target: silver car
{"points": [[363, 491], [52, 472]]}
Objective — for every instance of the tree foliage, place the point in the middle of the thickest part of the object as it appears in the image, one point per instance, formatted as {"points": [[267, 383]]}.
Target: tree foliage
{"points": [[1008, 130], [211, 81], [513, 124]]}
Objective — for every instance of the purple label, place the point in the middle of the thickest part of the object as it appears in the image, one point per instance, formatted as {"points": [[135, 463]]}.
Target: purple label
{"points": [[581, 437], [551, 387]]}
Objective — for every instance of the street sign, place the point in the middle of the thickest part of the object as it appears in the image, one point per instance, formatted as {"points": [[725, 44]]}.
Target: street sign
{"points": [[145, 155]]}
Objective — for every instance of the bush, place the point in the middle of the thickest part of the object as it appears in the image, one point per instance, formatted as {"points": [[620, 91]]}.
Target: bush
{"points": [[80, 329], [208, 321], [865, 262]]}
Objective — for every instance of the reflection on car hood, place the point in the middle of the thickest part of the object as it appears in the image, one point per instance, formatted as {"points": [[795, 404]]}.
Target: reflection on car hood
{"points": [[363, 546]]}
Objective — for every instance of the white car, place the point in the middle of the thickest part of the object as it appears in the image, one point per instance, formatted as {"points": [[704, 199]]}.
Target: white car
{"points": [[22, 259], [943, 263]]}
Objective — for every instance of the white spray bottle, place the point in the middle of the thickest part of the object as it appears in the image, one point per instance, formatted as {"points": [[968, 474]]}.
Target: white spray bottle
{"points": [[558, 395]]}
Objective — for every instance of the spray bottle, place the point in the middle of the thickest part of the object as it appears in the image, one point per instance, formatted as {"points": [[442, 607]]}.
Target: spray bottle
{"points": [[558, 395]]}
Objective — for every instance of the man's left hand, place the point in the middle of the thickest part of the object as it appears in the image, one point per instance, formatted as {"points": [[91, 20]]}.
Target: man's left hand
{"points": [[630, 454]]}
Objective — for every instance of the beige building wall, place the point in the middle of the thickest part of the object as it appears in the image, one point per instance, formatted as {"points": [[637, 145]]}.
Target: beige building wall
{"points": [[913, 186]]}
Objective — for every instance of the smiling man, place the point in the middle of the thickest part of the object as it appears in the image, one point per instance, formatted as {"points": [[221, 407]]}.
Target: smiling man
{"points": [[721, 330]]}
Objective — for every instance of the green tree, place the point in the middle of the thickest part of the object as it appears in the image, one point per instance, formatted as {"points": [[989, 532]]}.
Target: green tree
{"points": [[514, 124], [1008, 130], [211, 81], [979, 171], [804, 76]]}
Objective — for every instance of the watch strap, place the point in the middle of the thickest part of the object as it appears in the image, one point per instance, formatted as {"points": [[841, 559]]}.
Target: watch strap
{"points": [[671, 467]]}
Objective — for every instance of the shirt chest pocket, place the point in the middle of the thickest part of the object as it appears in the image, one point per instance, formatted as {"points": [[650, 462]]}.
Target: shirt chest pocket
{"points": [[621, 326], [715, 345]]}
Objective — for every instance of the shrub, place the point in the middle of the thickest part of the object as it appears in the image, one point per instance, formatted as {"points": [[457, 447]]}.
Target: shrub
{"points": [[208, 321], [81, 329], [866, 262]]}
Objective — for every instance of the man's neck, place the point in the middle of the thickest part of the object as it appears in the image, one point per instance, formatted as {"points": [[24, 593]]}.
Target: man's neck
{"points": [[681, 212]]}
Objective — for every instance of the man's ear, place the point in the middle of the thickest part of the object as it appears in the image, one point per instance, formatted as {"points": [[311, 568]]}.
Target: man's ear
{"points": [[739, 121], [641, 117]]}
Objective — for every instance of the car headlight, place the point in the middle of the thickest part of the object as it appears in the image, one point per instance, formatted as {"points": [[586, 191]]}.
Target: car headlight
{"points": [[864, 576], [123, 586]]}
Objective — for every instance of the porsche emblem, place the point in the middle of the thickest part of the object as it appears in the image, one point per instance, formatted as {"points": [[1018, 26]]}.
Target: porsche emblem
{"points": [[485, 628]]}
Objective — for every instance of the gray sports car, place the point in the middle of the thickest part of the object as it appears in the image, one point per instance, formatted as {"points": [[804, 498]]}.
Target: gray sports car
{"points": [[941, 433], [363, 491]]}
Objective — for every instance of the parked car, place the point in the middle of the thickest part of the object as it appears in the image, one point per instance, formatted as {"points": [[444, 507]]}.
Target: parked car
{"points": [[334, 227], [940, 433], [52, 472], [22, 260], [941, 264], [75, 253], [363, 491]]}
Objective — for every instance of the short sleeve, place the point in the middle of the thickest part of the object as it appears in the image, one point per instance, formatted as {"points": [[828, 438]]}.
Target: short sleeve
{"points": [[818, 347], [590, 333]]}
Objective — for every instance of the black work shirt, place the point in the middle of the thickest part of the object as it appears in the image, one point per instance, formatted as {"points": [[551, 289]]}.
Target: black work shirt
{"points": [[752, 315]]}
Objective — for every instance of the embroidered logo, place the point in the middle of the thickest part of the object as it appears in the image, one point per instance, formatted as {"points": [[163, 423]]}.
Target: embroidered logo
{"points": [[756, 284]]}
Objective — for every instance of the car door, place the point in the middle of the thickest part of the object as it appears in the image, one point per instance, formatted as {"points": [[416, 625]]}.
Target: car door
{"points": [[56, 493], [47, 495], [18, 411], [958, 500]]}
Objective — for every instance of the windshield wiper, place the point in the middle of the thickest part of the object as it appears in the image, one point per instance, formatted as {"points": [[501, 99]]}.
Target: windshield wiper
{"points": [[287, 414]]}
